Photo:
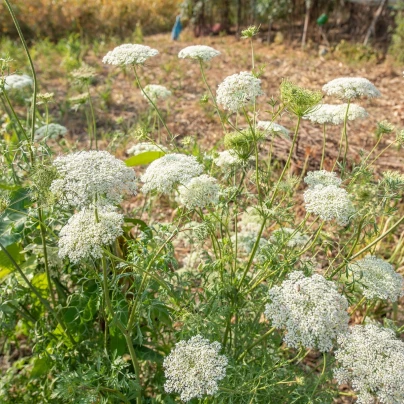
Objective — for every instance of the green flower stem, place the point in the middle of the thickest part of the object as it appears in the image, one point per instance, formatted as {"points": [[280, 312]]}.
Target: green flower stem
{"points": [[324, 142], [25, 46], [352, 311], [93, 120], [152, 103], [255, 343], [211, 94], [317, 235], [345, 133]]}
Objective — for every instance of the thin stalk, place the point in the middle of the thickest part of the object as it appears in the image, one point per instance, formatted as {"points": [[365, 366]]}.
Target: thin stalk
{"points": [[323, 151], [357, 305], [345, 133], [94, 122], [255, 343]]}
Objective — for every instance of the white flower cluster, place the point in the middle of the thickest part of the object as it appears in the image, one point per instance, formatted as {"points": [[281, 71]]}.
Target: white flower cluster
{"points": [[198, 52], [377, 278], [251, 220], [371, 358], [322, 177], [194, 368], [335, 114], [50, 131], [238, 91], [329, 202], [156, 92], [165, 173], [129, 54], [311, 310], [348, 88], [144, 147], [92, 178], [84, 235], [17, 82], [199, 192], [273, 128], [227, 161], [294, 238]]}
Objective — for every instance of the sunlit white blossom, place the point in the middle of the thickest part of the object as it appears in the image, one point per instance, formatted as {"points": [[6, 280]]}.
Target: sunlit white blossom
{"points": [[17, 82], [377, 278], [227, 161], [156, 92], [348, 88], [335, 114], [87, 232], [165, 173], [144, 147], [238, 91], [309, 309], [129, 54], [198, 52], [92, 178], [322, 177], [292, 237], [199, 192], [50, 131], [371, 358], [194, 368], [329, 202]]}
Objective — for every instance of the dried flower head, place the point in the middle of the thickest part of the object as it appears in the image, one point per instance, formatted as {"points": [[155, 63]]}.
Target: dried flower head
{"points": [[335, 114], [83, 74], [144, 147], [50, 131], [165, 173], [238, 91], [371, 358], [194, 368], [92, 178], [384, 127], [329, 202], [289, 237], [129, 54], [322, 177], [87, 232], [273, 128], [249, 32], [311, 311], [156, 92], [78, 100], [299, 100], [348, 88], [377, 278], [199, 192], [44, 98], [198, 52]]}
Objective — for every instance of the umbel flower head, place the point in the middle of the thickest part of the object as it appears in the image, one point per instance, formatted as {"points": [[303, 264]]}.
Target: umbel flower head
{"points": [[227, 161], [349, 88], [87, 232], [371, 358], [322, 177], [50, 131], [92, 178], [377, 278], [156, 92], [299, 100], [198, 52], [292, 237], [129, 54], [194, 368], [335, 114], [310, 310], [17, 82], [199, 192], [165, 173], [273, 128], [238, 91], [144, 147], [329, 202]]}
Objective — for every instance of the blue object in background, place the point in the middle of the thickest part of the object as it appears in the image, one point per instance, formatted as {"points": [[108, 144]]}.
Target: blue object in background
{"points": [[175, 33]]}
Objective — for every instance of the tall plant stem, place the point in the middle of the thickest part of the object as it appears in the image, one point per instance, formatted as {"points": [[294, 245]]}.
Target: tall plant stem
{"points": [[255, 343], [94, 123], [152, 103], [211, 94], [24, 44], [343, 136], [323, 151]]}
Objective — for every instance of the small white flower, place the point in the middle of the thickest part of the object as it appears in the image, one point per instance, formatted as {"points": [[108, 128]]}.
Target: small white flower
{"points": [[129, 54], [165, 173], [377, 278], [92, 178], [144, 147], [51, 131], [227, 161], [329, 202], [156, 92], [311, 311], [273, 128], [84, 235], [294, 238], [348, 88], [322, 177], [238, 91], [198, 52], [199, 192], [371, 358], [194, 368], [251, 220], [17, 82], [335, 114]]}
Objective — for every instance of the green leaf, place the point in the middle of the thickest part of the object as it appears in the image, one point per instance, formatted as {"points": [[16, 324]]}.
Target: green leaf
{"points": [[144, 158], [148, 354], [41, 367], [117, 341], [6, 266]]}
